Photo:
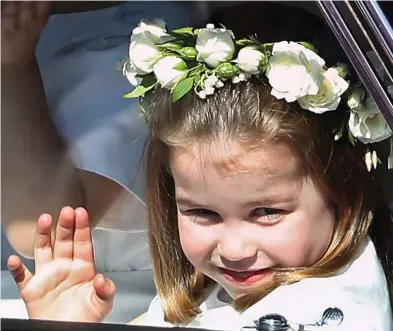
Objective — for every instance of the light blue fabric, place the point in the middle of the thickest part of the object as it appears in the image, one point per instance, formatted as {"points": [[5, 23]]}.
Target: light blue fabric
{"points": [[77, 55]]}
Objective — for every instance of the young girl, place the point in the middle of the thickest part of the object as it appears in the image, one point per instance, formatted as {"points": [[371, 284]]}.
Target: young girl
{"points": [[258, 197]]}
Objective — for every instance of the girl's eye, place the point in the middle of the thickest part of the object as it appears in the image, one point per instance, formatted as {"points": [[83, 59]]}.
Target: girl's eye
{"points": [[201, 213], [267, 214]]}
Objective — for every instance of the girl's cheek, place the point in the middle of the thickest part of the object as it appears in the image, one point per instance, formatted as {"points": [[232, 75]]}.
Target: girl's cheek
{"points": [[295, 244], [195, 239]]}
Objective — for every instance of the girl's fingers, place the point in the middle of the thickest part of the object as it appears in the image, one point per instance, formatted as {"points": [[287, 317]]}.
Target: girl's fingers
{"points": [[64, 240], [19, 271], [105, 290], [83, 246], [42, 241]]}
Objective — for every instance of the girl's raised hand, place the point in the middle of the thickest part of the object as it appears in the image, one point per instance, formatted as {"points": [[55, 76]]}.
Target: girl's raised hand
{"points": [[65, 285]]}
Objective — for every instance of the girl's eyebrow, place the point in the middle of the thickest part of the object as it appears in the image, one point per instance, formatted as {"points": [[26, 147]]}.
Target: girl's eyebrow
{"points": [[271, 200], [185, 201], [268, 200]]}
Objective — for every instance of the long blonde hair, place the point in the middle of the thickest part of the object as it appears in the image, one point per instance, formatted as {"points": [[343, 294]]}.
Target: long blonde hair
{"points": [[248, 113]]}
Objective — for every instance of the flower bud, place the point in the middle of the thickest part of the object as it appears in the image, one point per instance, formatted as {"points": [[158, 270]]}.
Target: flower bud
{"points": [[189, 53], [367, 159], [374, 158], [226, 70], [251, 60]]}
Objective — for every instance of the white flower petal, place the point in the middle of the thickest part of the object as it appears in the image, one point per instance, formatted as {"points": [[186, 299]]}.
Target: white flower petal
{"points": [[235, 79], [249, 59], [156, 27], [202, 94], [209, 90], [166, 73], [143, 52], [367, 159], [367, 124], [282, 46], [329, 94], [374, 158], [130, 73], [219, 84], [293, 71], [214, 46]]}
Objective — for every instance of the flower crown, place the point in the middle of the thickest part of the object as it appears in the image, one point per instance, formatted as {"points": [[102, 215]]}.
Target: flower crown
{"points": [[203, 60]]}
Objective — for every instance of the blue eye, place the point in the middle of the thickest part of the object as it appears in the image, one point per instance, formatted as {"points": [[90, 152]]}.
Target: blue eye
{"points": [[201, 213], [266, 213]]}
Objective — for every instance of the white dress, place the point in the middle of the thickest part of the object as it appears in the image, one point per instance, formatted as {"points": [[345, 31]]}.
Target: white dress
{"points": [[77, 55], [360, 291]]}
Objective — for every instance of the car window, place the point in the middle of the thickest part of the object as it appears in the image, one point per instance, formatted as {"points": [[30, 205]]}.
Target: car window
{"points": [[364, 31]]}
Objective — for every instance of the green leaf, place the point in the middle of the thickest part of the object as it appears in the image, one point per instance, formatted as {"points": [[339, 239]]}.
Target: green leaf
{"points": [[148, 83], [197, 78], [268, 46], [185, 30], [172, 45], [200, 68], [351, 138], [138, 92], [182, 88], [251, 41], [244, 42], [255, 41]]}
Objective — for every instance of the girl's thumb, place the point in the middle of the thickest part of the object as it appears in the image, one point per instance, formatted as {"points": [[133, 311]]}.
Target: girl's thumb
{"points": [[105, 291]]}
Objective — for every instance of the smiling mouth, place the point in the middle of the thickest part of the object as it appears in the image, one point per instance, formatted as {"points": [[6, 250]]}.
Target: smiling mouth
{"points": [[245, 277]]}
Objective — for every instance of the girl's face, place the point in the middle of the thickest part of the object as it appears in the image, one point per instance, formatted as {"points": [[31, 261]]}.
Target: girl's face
{"points": [[241, 213]]}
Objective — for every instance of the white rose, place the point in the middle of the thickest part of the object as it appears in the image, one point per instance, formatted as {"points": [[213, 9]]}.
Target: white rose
{"points": [[214, 46], [169, 70], [250, 59], [143, 52], [156, 27], [294, 71], [130, 73], [329, 94], [367, 123]]}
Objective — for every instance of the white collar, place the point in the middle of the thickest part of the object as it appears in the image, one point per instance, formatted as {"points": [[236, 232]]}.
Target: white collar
{"points": [[360, 291]]}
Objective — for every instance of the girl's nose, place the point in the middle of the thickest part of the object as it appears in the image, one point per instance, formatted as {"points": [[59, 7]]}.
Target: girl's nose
{"points": [[234, 248]]}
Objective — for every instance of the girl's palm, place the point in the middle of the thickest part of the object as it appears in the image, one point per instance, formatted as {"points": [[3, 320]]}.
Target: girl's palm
{"points": [[65, 285]]}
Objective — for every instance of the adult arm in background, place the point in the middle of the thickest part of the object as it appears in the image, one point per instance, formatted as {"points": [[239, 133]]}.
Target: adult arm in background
{"points": [[37, 173], [65, 7]]}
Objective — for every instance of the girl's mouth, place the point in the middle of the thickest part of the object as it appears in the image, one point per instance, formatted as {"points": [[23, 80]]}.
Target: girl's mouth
{"points": [[245, 277]]}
